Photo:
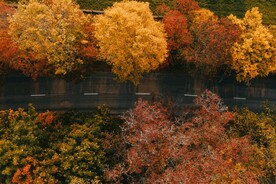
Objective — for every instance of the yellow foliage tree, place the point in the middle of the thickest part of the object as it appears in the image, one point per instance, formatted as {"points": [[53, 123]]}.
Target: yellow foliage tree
{"points": [[254, 54], [201, 17], [261, 127], [130, 40], [51, 31]]}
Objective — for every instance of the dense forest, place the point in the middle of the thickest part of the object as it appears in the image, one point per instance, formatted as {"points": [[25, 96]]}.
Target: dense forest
{"points": [[190, 39], [153, 142], [150, 143]]}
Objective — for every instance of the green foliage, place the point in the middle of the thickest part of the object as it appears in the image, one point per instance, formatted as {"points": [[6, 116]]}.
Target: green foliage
{"points": [[262, 130], [48, 148]]}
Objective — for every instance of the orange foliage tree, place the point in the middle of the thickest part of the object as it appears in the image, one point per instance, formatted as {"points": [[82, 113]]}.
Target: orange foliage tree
{"points": [[255, 53], [8, 48], [130, 40], [155, 148]]}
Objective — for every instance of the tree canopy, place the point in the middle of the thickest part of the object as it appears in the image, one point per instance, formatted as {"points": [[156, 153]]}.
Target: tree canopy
{"points": [[49, 33], [261, 128], [130, 40], [157, 148], [198, 36], [213, 38], [8, 49], [255, 53], [56, 38]]}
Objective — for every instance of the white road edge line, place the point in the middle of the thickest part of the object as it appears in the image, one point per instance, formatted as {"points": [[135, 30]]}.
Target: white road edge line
{"points": [[239, 98], [90, 94], [191, 95], [37, 95], [143, 94]]}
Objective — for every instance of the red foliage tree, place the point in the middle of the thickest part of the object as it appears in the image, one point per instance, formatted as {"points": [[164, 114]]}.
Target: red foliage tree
{"points": [[212, 41], [8, 49], [198, 36], [185, 6], [176, 22], [87, 48], [157, 150], [177, 30]]}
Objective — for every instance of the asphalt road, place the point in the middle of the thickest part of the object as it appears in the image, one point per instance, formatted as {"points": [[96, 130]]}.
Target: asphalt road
{"points": [[101, 88]]}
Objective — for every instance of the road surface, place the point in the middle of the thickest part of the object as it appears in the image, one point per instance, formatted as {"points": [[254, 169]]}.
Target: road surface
{"points": [[101, 88]]}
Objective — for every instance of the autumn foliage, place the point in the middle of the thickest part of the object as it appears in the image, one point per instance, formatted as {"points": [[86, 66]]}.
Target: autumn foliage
{"points": [[261, 127], [255, 53], [87, 48], [177, 29], [130, 40], [8, 49], [155, 148], [50, 148], [185, 6], [198, 36], [213, 39], [55, 38], [50, 34], [176, 22], [150, 143], [154, 144]]}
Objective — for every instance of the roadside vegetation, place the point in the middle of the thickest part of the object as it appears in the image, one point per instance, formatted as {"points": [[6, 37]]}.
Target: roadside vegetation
{"points": [[189, 39], [152, 142]]}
